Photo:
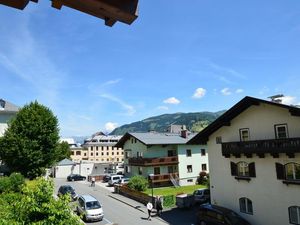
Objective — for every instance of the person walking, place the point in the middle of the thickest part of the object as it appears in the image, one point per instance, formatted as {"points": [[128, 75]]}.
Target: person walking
{"points": [[93, 182], [158, 205], [149, 207]]}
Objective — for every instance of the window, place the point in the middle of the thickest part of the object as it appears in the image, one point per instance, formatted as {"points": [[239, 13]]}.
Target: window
{"points": [[190, 180], [289, 171], [92, 154], [91, 147], [107, 153], [281, 131], [140, 170], [102, 153], [97, 148], [294, 214], [102, 148], [78, 153], [171, 153], [243, 169], [189, 168], [244, 134], [117, 153], [117, 159], [219, 140], [292, 171], [203, 152], [246, 206], [97, 153], [84, 154], [203, 167], [112, 153], [188, 153]]}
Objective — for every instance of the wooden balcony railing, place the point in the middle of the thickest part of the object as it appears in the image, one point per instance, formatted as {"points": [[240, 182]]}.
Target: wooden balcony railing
{"points": [[140, 161], [273, 146], [164, 177]]}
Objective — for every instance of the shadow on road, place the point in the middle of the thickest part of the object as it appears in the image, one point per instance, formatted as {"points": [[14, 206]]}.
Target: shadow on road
{"points": [[177, 216]]}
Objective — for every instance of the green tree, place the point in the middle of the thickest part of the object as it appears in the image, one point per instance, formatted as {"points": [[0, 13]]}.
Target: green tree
{"points": [[138, 183], [63, 151], [35, 205], [30, 143]]}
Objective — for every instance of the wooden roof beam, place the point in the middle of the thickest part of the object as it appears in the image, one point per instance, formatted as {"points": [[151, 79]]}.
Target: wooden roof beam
{"points": [[18, 4]]}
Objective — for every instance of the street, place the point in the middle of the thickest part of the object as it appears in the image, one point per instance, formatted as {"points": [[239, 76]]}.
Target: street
{"points": [[119, 210]]}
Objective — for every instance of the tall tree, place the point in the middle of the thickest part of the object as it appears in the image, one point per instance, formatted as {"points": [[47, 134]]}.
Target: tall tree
{"points": [[30, 143]]}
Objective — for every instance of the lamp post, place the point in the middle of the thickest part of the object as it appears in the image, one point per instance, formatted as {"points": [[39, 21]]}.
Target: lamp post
{"points": [[151, 176]]}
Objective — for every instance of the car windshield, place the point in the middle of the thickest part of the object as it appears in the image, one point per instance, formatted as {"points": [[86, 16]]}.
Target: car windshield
{"points": [[233, 217], [93, 205]]}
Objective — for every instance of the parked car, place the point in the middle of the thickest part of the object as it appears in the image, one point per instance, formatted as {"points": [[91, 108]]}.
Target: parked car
{"points": [[216, 215], [124, 180], [107, 177], [114, 179], [201, 195], [67, 189], [74, 177], [90, 208]]}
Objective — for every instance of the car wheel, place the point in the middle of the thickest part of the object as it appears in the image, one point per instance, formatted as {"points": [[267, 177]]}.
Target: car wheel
{"points": [[203, 223]]}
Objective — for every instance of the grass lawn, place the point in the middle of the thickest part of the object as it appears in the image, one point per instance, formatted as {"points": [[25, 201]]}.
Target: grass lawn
{"points": [[174, 190]]}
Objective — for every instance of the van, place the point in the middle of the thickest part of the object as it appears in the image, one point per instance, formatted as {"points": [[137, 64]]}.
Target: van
{"points": [[90, 208], [114, 179]]}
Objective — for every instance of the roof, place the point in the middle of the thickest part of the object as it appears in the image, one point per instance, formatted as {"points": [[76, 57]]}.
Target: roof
{"points": [[8, 107], [105, 140], [88, 198], [224, 119], [152, 138], [65, 162]]}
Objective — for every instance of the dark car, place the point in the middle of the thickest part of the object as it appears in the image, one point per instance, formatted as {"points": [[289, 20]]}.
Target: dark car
{"points": [[67, 189], [74, 177], [217, 215]]}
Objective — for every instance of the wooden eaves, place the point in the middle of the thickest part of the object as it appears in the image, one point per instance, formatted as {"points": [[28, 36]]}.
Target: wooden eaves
{"points": [[110, 11]]}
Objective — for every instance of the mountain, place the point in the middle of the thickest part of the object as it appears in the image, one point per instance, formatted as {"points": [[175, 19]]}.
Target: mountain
{"points": [[193, 121]]}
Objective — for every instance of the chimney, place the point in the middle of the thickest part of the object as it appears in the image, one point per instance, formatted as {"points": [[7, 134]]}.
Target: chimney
{"points": [[184, 133]]}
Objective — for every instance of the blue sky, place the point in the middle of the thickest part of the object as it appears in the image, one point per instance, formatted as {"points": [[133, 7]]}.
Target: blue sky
{"points": [[178, 56]]}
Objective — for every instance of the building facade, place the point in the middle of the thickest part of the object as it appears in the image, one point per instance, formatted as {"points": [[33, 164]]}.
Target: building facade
{"points": [[165, 155], [254, 158], [101, 148], [7, 112]]}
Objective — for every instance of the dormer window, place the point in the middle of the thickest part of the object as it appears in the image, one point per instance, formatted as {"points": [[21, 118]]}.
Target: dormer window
{"points": [[281, 131]]}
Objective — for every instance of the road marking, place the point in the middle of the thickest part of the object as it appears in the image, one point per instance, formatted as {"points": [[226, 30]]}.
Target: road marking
{"points": [[106, 220]]}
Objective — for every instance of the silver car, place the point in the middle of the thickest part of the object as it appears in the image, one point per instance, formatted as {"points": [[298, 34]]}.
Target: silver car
{"points": [[201, 195]]}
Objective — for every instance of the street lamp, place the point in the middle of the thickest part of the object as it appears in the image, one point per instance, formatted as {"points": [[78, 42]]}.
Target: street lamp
{"points": [[151, 176]]}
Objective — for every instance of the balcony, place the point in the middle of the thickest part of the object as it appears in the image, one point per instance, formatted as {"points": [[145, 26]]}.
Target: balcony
{"points": [[289, 146], [173, 160], [164, 177]]}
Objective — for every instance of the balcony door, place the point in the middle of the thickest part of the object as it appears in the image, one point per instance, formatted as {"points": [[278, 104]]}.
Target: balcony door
{"points": [[171, 153], [156, 170]]}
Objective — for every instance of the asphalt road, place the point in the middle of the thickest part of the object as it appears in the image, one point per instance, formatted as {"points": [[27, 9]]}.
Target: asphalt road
{"points": [[115, 212]]}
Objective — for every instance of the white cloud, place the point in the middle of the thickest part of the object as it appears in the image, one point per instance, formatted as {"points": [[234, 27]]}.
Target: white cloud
{"points": [[110, 126], [238, 91], [162, 108], [226, 91], [199, 93], [171, 100], [111, 82], [129, 108]]}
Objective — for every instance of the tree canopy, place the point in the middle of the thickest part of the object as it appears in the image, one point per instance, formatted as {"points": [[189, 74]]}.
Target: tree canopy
{"points": [[30, 144]]}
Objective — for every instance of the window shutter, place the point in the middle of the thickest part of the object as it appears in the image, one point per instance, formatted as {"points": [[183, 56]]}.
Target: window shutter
{"points": [[233, 169], [252, 172], [280, 171]]}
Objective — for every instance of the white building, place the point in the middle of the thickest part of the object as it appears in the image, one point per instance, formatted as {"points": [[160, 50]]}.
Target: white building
{"points": [[166, 155], [254, 158], [7, 112]]}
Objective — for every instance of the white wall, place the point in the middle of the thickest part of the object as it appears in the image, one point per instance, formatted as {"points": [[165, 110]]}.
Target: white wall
{"points": [[196, 160], [83, 169], [270, 197]]}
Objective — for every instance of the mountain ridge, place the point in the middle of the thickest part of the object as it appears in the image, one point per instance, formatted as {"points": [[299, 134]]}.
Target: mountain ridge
{"points": [[194, 121]]}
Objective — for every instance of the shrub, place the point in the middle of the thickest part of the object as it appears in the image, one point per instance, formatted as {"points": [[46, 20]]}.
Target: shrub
{"points": [[138, 183], [4, 184], [17, 181], [169, 201]]}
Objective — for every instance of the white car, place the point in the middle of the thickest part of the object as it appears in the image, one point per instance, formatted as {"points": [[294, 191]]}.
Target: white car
{"points": [[124, 180], [114, 179], [90, 208]]}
